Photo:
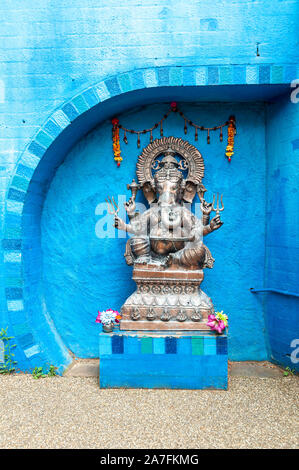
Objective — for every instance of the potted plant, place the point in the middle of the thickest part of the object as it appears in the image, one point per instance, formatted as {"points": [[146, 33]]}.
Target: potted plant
{"points": [[108, 319]]}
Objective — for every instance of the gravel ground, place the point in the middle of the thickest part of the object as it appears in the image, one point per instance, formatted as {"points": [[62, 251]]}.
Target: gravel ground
{"points": [[72, 412]]}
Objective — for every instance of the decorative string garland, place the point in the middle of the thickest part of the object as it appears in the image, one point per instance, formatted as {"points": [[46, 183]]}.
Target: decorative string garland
{"points": [[230, 124], [231, 131], [115, 141]]}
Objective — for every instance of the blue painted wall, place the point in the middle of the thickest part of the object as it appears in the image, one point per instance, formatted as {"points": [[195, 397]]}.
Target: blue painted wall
{"points": [[282, 240], [61, 59]]}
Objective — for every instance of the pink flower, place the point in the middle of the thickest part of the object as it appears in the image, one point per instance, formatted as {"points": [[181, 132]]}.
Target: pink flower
{"points": [[108, 316], [212, 321], [215, 324], [98, 319]]}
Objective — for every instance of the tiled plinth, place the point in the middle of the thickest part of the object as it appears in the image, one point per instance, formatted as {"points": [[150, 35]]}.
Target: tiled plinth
{"points": [[168, 359]]}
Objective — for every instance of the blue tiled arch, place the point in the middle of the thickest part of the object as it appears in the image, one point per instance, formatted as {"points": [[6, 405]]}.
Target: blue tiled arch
{"points": [[32, 348]]}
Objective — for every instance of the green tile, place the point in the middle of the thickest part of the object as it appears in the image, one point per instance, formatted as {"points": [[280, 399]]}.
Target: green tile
{"points": [[175, 76], [197, 346], [146, 346], [44, 139], [13, 282], [125, 83], [226, 75], [13, 232], [21, 328], [277, 74], [80, 104]]}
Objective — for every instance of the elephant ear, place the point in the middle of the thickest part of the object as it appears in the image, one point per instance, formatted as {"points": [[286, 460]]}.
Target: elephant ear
{"points": [[193, 163]]}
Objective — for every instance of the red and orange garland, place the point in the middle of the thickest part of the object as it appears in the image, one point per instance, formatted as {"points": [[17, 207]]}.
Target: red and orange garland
{"points": [[231, 125], [231, 131], [115, 141]]}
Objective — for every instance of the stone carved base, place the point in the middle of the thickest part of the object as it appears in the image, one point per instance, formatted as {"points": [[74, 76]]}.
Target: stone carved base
{"points": [[166, 299]]}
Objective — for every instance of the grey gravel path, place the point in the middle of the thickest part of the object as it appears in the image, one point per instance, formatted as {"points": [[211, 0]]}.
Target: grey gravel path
{"points": [[72, 412]]}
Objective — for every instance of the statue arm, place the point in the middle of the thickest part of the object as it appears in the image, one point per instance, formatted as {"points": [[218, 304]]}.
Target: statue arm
{"points": [[215, 224], [137, 225], [206, 208]]}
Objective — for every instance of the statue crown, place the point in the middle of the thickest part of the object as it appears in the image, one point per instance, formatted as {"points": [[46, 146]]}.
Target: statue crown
{"points": [[169, 157]]}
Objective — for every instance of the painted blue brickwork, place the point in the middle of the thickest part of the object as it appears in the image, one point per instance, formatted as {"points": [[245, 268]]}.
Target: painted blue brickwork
{"points": [[282, 241], [155, 360], [58, 61]]}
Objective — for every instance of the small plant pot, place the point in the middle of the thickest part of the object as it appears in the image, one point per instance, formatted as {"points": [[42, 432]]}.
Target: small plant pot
{"points": [[108, 328]]}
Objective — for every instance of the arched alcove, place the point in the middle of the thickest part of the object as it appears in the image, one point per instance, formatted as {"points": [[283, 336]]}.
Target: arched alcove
{"points": [[38, 337]]}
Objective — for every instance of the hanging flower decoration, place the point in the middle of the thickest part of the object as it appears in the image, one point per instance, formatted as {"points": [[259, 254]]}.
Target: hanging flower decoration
{"points": [[108, 316], [115, 141], [231, 131], [218, 322], [230, 124]]}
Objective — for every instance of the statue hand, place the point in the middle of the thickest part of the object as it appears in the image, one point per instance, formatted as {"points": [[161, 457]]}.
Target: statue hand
{"points": [[206, 207], [130, 206], [216, 223], [119, 223]]}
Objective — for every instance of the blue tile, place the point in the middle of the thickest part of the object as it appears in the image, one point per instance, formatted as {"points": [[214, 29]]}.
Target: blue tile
{"points": [[210, 347], [163, 76], [25, 171], [52, 128], [264, 74], [70, 111], [184, 346], [36, 149], [158, 346], [208, 24], [13, 219], [221, 343], [117, 344], [16, 195], [25, 340], [105, 344], [213, 75], [113, 86], [290, 73], [170, 345], [131, 345], [13, 293], [90, 97], [239, 74], [11, 244], [189, 77], [137, 80]]}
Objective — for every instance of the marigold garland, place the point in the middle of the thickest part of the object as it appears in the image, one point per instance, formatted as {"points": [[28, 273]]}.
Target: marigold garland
{"points": [[115, 141], [231, 131], [231, 125]]}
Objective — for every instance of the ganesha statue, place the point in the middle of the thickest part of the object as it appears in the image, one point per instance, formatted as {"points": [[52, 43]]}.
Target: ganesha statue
{"points": [[165, 244]]}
